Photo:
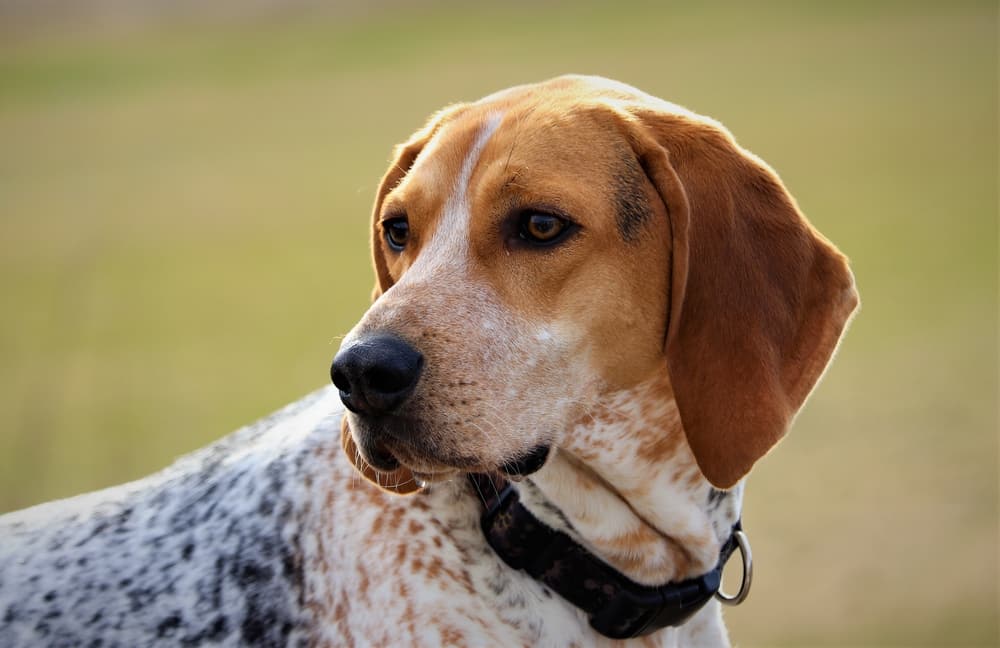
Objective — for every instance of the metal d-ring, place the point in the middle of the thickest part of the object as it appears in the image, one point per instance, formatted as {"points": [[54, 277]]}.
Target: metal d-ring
{"points": [[747, 558]]}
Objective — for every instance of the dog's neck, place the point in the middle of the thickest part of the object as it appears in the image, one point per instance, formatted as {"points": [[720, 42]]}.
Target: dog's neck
{"points": [[626, 486]]}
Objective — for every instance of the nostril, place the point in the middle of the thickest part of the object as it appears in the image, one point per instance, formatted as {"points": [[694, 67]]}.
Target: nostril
{"points": [[340, 380], [394, 375]]}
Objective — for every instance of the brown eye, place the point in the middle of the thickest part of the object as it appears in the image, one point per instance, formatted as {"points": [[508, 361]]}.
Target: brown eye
{"points": [[397, 232], [542, 229]]}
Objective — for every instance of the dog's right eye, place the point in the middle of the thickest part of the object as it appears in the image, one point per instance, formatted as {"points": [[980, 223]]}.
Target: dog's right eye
{"points": [[541, 229], [397, 232]]}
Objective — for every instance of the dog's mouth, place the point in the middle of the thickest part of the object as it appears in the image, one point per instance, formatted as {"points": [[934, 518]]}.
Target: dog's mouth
{"points": [[380, 457], [386, 454]]}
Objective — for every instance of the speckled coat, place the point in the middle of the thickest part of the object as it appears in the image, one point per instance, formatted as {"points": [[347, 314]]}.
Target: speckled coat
{"points": [[270, 538]]}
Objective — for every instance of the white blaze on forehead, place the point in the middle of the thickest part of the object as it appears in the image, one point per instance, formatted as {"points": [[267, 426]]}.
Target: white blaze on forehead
{"points": [[450, 243]]}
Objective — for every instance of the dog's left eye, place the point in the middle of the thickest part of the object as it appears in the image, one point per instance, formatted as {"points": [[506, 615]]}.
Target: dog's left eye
{"points": [[397, 232], [542, 229]]}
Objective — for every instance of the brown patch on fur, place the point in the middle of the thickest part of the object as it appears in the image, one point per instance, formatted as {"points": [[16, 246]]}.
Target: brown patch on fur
{"points": [[341, 610], [634, 540], [363, 581], [661, 446], [377, 526], [629, 552], [401, 550], [453, 636], [434, 568]]}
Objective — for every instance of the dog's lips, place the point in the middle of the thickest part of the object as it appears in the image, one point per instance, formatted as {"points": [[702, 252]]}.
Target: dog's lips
{"points": [[386, 454], [377, 440], [379, 457], [385, 447], [528, 463], [434, 469]]}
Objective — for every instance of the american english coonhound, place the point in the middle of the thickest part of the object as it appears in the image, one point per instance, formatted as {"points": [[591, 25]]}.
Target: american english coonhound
{"points": [[594, 312]]}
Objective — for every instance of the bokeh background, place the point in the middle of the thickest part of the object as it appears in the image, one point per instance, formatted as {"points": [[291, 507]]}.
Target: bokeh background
{"points": [[184, 196]]}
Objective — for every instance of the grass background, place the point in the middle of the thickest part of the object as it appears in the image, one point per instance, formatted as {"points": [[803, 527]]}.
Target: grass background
{"points": [[183, 216]]}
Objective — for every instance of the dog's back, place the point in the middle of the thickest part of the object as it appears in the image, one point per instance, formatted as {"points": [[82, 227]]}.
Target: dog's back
{"points": [[204, 551]]}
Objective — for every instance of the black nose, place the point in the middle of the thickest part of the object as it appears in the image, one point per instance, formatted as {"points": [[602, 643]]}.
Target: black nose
{"points": [[376, 374]]}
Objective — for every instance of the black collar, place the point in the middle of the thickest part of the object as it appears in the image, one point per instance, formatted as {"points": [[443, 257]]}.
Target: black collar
{"points": [[617, 606]]}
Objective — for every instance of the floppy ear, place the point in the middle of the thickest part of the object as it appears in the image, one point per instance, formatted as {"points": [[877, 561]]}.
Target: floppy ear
{"points": [[759, 298], [404, 155], [398, 482]]}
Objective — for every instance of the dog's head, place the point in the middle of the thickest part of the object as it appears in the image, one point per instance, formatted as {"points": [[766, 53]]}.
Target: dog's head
{"points": [[552, 244]]}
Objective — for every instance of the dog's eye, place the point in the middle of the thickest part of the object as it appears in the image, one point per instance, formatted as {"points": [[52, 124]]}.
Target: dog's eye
{"points": [[397, 231], [542, 229]]}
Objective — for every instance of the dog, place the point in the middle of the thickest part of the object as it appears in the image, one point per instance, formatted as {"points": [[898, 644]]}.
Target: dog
{"points": [[594, 312]]}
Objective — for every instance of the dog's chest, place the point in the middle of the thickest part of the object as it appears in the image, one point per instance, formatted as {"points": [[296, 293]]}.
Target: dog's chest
{"points": [[387, 569]]}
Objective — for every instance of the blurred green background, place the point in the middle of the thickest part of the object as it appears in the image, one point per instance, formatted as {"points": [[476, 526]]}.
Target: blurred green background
{"points": [[184, 201]]}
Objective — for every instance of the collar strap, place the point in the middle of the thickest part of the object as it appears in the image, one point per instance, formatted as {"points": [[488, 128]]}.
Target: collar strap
{"points": [[618, 607]]}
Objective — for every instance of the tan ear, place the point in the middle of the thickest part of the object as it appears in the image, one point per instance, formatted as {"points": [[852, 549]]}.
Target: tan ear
{"points": [[404, 156], [398, 482], [759, 298]]}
